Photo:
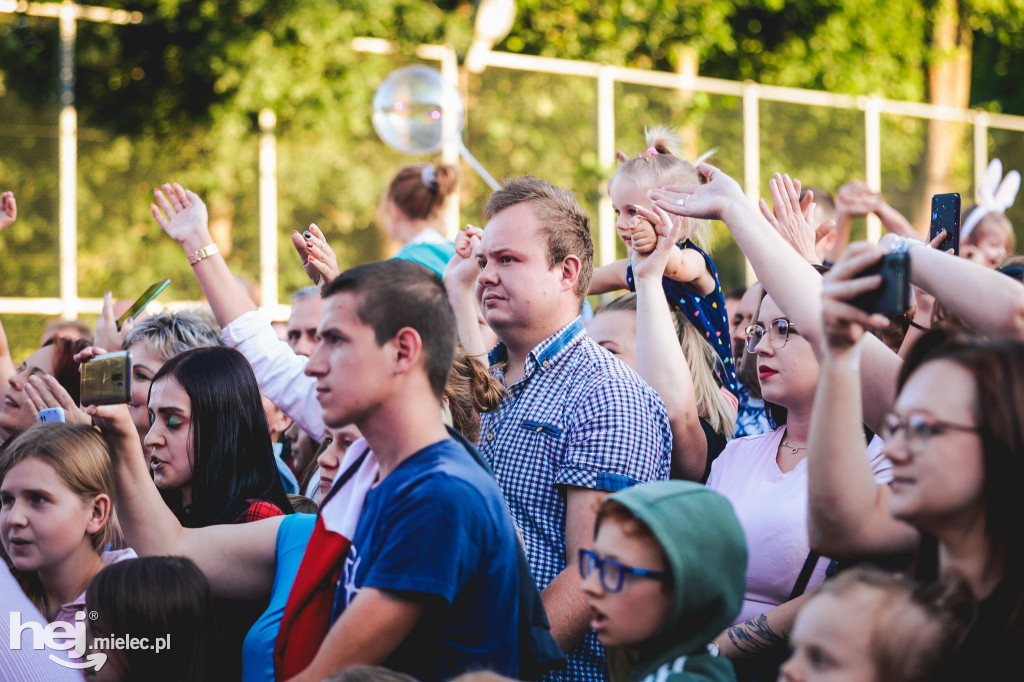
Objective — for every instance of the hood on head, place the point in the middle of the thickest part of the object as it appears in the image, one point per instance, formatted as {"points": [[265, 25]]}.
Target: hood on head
{"points": [[707, 553]]}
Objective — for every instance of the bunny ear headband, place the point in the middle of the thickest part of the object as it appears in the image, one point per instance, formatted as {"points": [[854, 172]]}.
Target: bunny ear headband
{"points": [[995, 195]]}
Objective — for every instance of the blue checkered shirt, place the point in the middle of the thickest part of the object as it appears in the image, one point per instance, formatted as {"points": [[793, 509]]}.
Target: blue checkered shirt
{"points": [[578, 417]]}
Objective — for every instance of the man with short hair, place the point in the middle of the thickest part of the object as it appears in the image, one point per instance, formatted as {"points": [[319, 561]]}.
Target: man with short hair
{"points": [[576, 423], [307, 309]]}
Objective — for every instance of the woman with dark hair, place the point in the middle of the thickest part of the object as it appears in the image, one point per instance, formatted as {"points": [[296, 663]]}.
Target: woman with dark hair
{"points": [[956, 441], [56, 359], [209, 440]]}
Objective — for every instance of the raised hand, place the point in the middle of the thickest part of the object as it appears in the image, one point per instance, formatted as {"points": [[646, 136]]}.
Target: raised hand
{"points": [[856, 198], [44, 391], [710, 200], [791, 217], [107, 335], [116, 425], [181, 214], [652, 263], [318, 258], [8, 209], [462, 270], [844, 323]]}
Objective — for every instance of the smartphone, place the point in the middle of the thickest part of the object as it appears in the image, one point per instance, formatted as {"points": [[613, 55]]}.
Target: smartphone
{"points": [[107, 379], [142, 301], [892, 297], [946, 216], [51, 414]]}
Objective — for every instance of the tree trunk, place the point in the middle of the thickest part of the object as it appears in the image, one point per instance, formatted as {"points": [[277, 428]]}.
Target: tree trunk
{"points": [[949, 84]]}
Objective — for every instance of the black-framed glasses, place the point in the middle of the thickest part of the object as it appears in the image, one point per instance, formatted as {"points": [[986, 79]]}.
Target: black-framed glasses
{"points": [[918, 429], [778, 333], [613, 574]]}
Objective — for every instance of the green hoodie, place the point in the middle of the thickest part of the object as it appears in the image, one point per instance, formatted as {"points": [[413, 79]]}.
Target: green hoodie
{"points": [[707, 553]]}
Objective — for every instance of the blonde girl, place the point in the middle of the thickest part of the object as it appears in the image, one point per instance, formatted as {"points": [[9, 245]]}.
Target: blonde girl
{"points": [[691, 279], [56, 514]]}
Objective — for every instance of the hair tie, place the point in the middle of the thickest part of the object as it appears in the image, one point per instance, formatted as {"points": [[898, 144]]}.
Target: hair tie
{"points": [[995, 195], [651, 151], [428, 176]]}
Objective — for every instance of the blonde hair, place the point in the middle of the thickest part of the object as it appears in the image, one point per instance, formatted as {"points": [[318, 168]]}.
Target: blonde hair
{"points": [[702, 359], [82, 460], [666, 167]]}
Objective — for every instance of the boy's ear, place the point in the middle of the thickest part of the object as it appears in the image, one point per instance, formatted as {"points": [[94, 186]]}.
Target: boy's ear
{"points": [[620, 156], [408, 348], [571, 267], [100, 513]]}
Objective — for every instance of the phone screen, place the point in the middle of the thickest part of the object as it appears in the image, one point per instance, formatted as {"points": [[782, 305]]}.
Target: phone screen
{"points": [[946, 216], [142, 301]]}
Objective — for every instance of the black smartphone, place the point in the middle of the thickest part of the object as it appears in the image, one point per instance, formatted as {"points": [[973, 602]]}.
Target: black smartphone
{"points": [[892, 297], [107, 379], [142, 301], [946, 216]]}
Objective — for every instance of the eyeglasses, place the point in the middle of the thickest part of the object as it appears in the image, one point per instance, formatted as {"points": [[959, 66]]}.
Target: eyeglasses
{"points": [[917, 429], [778, 334], [613, 574]]}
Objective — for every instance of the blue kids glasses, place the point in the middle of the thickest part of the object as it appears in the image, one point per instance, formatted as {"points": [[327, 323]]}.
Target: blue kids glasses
{"points": [[613, 574]]}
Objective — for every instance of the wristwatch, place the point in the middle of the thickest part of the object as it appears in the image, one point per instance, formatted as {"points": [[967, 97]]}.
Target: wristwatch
{"points": [[203, 253]]}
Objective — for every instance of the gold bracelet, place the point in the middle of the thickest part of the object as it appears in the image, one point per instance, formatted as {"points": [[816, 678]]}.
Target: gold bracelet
{"points": [[203, 254]]}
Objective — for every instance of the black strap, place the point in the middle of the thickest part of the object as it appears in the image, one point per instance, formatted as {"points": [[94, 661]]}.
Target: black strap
{"points": [[805, 574]]}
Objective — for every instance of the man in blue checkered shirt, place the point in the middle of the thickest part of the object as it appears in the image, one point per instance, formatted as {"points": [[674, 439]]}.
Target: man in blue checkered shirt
{"points": [[577, 423]]}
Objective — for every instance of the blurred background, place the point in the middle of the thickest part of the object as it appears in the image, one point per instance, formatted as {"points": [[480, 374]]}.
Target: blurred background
{"points": [[827, 90]]}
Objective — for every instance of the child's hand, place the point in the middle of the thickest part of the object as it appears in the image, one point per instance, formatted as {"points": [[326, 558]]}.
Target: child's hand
{"points": [[642, 235], [856, 198], [652, 264]]}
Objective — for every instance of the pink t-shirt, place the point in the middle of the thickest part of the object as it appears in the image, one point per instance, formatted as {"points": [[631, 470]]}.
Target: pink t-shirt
{"points": [[772, 508]]}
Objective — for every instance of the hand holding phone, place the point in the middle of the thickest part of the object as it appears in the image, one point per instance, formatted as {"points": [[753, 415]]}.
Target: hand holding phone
{"points": [[142, 301], [51, 414], [107, 379], [946, 216], [892, 297]]}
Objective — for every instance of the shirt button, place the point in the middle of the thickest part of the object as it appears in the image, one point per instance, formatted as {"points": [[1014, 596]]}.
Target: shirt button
{"points": [[544, 364], [539, 429], [490, 436]]}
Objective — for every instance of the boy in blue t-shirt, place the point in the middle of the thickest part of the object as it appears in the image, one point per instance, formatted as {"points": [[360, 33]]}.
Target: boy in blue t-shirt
{"points": [[442, 505]]}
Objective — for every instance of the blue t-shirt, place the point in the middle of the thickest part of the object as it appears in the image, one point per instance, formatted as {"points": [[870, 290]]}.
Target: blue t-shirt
{"points": [[434, 255], [437, 529], [258, 648]]}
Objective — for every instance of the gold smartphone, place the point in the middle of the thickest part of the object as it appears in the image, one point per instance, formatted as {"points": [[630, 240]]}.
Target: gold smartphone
{"points": [[107, 379]]}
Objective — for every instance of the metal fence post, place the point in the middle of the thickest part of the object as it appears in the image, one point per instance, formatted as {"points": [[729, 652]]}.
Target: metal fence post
{"points": [[751, 153], [606, 156], [268, 209], [873, 159]]}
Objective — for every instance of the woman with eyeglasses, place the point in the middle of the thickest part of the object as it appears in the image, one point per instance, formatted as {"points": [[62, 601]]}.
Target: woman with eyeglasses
{"points": [[955, 436], [765, 479]]}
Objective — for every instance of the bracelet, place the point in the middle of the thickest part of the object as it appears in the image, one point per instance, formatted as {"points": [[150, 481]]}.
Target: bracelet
{"points": [[915, 325], [203, 254], [714, 649]]}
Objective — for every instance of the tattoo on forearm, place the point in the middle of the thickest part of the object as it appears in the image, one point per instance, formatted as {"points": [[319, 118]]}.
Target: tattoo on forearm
{"points": [[756, 637]]}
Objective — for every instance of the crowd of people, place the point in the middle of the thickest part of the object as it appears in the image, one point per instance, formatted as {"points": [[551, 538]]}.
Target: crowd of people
{"points": [[444, 467]]}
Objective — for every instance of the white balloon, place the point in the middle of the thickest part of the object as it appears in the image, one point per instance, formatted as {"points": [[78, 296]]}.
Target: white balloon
{"points": [[416, 111]]}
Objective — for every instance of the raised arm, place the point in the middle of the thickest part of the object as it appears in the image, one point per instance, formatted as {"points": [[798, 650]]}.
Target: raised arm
{"points": [[238, 560], [8, 214], [793, 283], [848, 511], [182, 215], [659, 357], [317, 256], [460, 281], [986, 299]]}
